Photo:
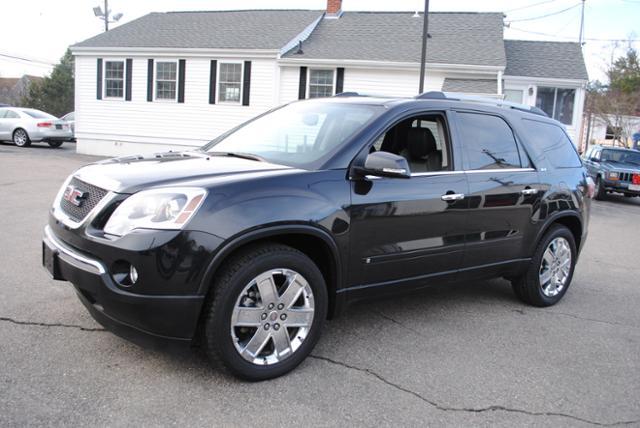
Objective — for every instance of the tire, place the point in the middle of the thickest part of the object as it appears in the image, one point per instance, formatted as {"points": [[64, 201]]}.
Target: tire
{"points": [[600, 191], [21, 138], [265, 321], [530, 287], [54, 144]]}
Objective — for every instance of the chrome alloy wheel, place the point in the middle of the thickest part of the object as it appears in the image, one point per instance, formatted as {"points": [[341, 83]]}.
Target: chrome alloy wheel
{"points": [[20, 138], [272, 316], [555, 267]]}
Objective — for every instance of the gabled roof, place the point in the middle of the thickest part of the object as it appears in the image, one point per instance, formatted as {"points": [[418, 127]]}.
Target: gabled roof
{"points": [[456, 38], [246, 29], [560, 60]]}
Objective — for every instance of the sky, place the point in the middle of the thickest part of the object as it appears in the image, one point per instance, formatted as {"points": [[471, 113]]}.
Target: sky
{"points": [[34, 34]]}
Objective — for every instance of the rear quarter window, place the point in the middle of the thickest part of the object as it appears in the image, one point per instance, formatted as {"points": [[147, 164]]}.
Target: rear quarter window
{"points": [[551, 140]]}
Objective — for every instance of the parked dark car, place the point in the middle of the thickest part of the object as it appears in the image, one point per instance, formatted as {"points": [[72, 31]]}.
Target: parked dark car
{"points": [[248, 244], [614, 169]]}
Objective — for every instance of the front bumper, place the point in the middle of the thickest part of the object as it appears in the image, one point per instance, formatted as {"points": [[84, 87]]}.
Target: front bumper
{"points": [[140, 318], [619, 186]]}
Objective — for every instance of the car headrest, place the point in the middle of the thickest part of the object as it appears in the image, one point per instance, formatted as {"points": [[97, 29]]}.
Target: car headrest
{"points": [[420, 143]]}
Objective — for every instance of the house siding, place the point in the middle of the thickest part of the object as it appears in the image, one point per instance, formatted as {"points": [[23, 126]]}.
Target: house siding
{"points": [[117, 127]]}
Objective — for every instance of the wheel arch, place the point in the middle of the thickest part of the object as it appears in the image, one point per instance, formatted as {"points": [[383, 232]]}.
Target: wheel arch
{"points": [[570, 220], [314, 242]]}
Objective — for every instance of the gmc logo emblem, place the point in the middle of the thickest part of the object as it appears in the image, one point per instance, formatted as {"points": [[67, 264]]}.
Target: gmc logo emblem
{"points": [[75, 196]]}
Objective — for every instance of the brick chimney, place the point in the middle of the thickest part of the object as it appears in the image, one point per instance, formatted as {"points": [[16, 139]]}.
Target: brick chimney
{"points": [[334, 8]]}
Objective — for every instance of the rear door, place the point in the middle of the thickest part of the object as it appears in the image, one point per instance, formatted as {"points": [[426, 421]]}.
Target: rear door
{"points": [[8, 121], [3, 125], [504, 190]]}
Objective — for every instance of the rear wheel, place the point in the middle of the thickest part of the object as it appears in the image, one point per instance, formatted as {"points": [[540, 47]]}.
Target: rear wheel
{"points": [[21, 138], [551, 269], [55, 144], [266, 312], [600, 191]]}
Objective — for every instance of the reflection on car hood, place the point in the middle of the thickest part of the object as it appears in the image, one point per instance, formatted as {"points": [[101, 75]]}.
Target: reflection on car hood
{"points": [[132, 173]]}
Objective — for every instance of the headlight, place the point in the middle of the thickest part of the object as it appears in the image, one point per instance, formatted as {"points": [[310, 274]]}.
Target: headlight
{"points": [[613, 175], [169, 208]]}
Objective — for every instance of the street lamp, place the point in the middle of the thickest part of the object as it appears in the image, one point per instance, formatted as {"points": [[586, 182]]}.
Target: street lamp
{"points": [[105, 16]]}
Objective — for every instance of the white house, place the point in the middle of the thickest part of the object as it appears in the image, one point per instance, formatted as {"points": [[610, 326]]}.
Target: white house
{"points": [[170, 81]]}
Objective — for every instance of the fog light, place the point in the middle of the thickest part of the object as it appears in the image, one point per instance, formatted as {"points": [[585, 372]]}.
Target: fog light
{"points": [[133, 274]]}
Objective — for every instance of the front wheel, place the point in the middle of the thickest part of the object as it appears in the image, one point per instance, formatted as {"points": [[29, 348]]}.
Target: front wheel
{"points": [[54, 144], [266, 312], [551, 269], [21, 138]]}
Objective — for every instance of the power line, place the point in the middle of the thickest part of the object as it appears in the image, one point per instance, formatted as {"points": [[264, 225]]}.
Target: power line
{"points": [[26, 59], [546, 15], [529, 6], [573, 38]]}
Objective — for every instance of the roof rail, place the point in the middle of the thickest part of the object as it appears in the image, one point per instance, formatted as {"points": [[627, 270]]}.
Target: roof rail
{"points": [[437, 95]]}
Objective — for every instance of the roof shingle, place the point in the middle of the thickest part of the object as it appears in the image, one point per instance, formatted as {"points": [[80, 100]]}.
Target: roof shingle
{"points": [[560, 60]]}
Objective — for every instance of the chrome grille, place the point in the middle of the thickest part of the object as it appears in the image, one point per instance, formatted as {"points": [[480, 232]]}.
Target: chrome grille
{"points": [[625, 176], [94, 195]]}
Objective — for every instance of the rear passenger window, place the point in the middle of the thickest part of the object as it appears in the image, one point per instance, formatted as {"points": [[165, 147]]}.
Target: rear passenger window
{"points": [[488, 142], [553, 142]]}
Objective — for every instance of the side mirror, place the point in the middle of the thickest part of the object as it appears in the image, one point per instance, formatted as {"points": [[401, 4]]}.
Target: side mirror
{"points": [[385, 164]]}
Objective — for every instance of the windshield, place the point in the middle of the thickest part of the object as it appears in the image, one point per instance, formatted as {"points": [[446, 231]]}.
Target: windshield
{"points": [[37, 114], [621, 156], [301, 134]]}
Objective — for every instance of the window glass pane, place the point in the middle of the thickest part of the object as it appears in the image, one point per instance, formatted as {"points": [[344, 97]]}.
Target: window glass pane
{"points": [[230, 82], [488, 142], [166, 71], [320, 83], [166, 90], [37, 114], [564, 105], [12, 115], [544, 100], [299, 134], [553, 142], [114, 79], [513, 95]]}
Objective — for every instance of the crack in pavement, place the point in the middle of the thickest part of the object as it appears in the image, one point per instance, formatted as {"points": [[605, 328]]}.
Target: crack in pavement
{"points": [[388, 318], [612, 323], [42, 324], [444, 408]]}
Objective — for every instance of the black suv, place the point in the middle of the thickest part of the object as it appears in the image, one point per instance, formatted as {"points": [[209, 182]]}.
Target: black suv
{"points": [[248, 244], [614, 169]]}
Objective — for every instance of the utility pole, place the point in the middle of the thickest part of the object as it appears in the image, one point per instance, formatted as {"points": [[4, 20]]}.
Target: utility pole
{"points": [[425, 36], [581, 36], [107, 13]]}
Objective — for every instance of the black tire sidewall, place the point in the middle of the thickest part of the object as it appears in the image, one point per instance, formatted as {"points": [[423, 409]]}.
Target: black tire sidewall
{"points": [[218, 327], [55, 144], [533, 280], [600, 190]]}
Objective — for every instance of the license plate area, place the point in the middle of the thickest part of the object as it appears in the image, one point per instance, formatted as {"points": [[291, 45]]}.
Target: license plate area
{"points": [[58, 126], [634, 187], [50, 261]]}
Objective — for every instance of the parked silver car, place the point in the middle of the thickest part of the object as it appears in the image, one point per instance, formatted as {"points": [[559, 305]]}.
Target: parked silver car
{"points": [[24, 126], [70, 118]]}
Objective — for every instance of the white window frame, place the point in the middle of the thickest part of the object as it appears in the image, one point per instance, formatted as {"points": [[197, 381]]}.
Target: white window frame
{"points": [[104, 78], [219, 100], [335, 78], [155, 80], [555, 99]]}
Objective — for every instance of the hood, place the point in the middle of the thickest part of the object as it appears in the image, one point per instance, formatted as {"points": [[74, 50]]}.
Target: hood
{"points": [[132, 173], [620, 166]]}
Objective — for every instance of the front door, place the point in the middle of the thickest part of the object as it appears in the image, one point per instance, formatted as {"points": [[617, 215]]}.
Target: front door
{"points": [[410, 231]]}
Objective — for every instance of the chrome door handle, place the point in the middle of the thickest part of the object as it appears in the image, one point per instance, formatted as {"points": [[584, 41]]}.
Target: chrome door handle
{"points": [[527, 192], [449, 197]]}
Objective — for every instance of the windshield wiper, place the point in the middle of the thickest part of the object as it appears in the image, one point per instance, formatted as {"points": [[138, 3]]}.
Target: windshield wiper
{"points": [[240, 155]]}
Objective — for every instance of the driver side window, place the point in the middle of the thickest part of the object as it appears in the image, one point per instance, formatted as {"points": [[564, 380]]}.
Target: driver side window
{"points": [[422, 140]]}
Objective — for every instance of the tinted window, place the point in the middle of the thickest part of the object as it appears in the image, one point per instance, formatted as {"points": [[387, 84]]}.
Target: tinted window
{"points": [[488, 142], [11, 115], [37, 114], [553, 142]]}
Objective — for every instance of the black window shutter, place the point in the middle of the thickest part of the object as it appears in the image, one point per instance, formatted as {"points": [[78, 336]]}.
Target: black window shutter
{"points": [[246, 91], [181, 69], [127, 85], [150, 80], [302, 89], [99, 80], [339, 80], [213, 81]]}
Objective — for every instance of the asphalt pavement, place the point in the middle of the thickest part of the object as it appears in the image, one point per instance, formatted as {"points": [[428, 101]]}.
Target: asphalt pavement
{"points": [[462, 355]]}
